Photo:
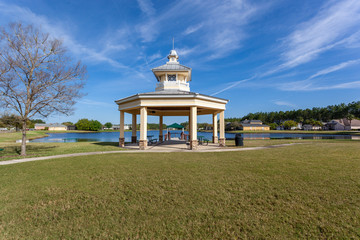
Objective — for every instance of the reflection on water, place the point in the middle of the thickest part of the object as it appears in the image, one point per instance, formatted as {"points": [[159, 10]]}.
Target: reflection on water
{"points": [[114, 136]]}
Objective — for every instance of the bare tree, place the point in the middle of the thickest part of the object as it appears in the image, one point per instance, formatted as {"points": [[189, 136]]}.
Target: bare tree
{"points": [[36, 75]]}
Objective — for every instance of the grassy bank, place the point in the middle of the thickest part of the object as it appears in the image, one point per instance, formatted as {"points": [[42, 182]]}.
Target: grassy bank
{"points": [[13, 136], [12, 150], [303, 191], [301, 131]]}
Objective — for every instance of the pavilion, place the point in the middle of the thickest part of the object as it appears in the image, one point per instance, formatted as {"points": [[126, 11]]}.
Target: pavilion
{"points": [[172, 97]]}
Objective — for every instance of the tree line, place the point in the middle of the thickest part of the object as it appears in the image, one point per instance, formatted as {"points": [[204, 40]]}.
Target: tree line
{"points": [[312, 116], [15, 121]]}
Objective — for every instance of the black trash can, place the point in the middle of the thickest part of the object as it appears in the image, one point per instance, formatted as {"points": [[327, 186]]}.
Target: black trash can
{"points": [[239, 140]]}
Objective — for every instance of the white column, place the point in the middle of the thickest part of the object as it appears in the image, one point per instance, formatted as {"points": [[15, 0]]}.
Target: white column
{"points": [[189, 127], [143, 128], [133, 126], [161, 137], [222, 129], [193, 128], [122, 129], [215, 128]]}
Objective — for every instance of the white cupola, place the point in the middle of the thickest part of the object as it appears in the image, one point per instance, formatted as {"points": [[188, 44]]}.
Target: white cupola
{"points": [[172, 76], [173, 57]]}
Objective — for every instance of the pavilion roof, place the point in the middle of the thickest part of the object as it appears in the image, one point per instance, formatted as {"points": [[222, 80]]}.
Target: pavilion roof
{"points": [[169, 93], [171, 66]]}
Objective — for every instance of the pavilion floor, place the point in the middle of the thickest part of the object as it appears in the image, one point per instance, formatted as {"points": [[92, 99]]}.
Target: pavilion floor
{"points": [[174, 145]]}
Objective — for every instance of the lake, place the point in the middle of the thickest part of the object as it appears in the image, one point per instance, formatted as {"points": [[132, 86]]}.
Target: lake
{"points": [[114, 136]]}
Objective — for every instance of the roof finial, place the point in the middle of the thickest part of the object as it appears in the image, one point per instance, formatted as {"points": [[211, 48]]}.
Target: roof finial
{"points": [[173, 44]]}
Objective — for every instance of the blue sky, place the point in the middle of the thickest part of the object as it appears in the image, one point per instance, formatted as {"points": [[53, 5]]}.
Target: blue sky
{"points": [[261, 55]]}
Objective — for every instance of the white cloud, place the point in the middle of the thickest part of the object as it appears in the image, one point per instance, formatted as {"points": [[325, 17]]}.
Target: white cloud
{"points": [[335, 68], [192, 29], [225, 26], [284, 103], [16, 13], [319, 34], [232, 85], [146, 7], [186, 51], [306, 85], [219, 26], [95, 103], [332, 27], [154, 56], [353, 41]]}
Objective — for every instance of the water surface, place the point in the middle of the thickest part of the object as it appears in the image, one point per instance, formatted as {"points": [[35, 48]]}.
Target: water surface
{"points": [[114, 136]]}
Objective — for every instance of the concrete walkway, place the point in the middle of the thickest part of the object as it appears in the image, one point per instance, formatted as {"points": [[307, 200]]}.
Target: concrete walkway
{"points": [[160, 149]]}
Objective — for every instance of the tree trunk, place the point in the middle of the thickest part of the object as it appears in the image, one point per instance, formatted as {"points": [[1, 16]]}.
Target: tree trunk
{"points": [[23, 142]]}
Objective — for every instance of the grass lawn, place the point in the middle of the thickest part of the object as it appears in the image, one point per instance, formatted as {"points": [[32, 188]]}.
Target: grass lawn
{"points": [[301, 131], [301, 191], [13, 136], [13, 150]]}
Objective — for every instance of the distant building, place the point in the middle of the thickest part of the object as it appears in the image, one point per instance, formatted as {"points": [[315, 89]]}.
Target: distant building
{"points": [[343, 124], [280, 127], [117, 127], [253, 125], [309, 127], [71, 127], [51, 127]]}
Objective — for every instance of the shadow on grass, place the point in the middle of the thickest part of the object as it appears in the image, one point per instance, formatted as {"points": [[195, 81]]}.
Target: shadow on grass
{"points": [[115, 144], [11, 150]]}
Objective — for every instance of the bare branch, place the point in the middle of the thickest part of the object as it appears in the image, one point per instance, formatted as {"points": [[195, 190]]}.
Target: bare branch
{"points": [[36, 75]]}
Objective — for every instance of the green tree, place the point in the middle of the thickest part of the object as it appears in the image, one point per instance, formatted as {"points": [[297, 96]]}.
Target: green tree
{"points": [[11, 120], [68, 123], [300, 119], [32, 122], [83, 124], [232, 126], [289, 124], [186, 125], [108, 125], [95, 125], [318, 123], [273, 126], [354, 108], [350, 117], [307, 116]]}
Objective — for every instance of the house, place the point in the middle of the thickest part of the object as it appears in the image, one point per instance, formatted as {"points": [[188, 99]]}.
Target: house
{"points": [[309, 127], [51, 127], [280, 127], [253, 125], [40, 126], [117, 127], [343, 124], [71, 127]]}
